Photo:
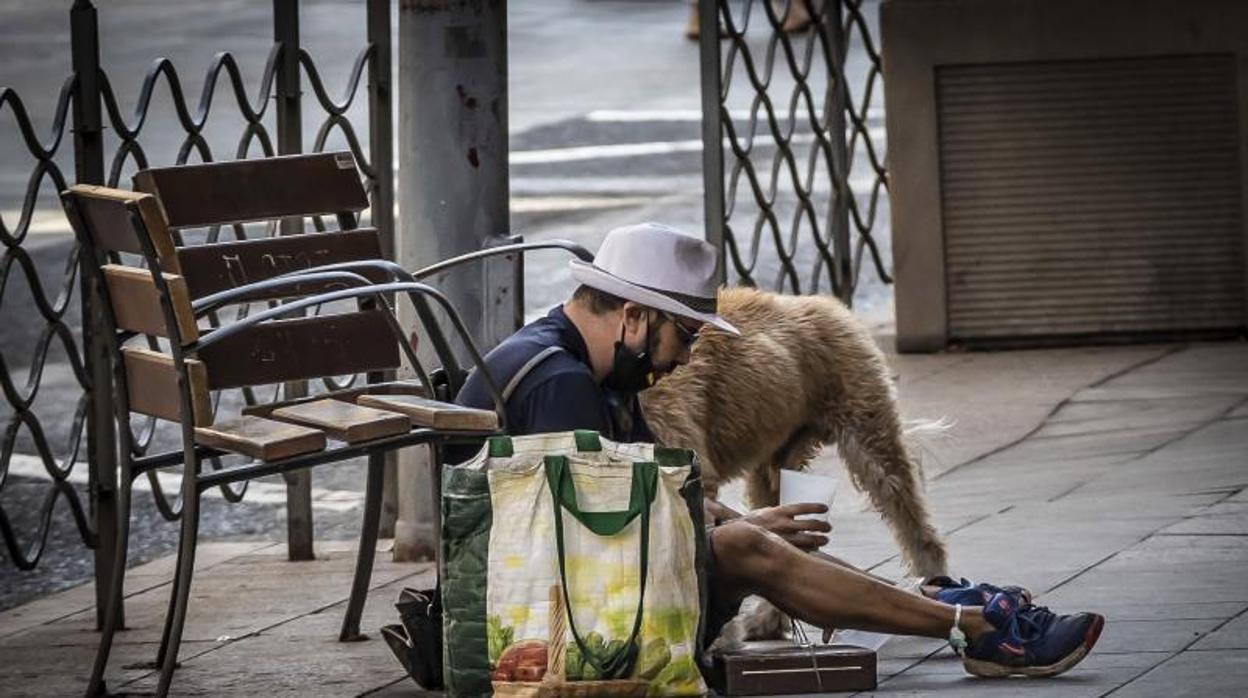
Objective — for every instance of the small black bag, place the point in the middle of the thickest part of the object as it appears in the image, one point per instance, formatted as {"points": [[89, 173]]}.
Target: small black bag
{"points": [[417, 642]]}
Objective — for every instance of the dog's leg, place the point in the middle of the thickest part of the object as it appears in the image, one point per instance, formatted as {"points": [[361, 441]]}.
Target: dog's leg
{"points": [[765, 621], [763, 482], [875, 455], [762, 487]]}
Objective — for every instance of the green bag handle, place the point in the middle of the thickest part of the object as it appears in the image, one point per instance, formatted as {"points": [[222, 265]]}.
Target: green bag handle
{"points": [[618, 664], [586, 441]]}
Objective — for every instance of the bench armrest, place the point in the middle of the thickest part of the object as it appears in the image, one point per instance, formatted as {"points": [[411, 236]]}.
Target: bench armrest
{"points": [[575, 249], [417, 292]]}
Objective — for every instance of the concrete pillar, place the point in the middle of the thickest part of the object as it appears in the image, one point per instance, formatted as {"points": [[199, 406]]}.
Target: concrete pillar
{"points": [[453, 191]]}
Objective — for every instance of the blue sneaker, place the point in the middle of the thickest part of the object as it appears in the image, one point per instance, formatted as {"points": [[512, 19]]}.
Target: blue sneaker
{"points": [[964, 592], [1030, 640]]}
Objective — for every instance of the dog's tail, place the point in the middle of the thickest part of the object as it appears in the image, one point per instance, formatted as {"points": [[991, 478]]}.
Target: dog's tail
{"points": [[918, 434]]}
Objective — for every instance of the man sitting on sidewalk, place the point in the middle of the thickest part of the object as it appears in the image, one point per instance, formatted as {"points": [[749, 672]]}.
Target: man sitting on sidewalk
{"points": [[634, 318]]}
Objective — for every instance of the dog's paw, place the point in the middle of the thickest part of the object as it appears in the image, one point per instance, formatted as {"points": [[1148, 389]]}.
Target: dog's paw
{"points": [[731, 638], [764, 622], [927, 558]]}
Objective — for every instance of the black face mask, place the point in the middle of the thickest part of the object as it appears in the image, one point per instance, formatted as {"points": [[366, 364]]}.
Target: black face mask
{"points": [[631, 371]]}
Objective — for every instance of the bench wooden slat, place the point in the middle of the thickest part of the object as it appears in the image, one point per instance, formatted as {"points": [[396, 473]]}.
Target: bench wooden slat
{"points": [[238, 191], [344, 421], [434, 413], [152, 384], [136, 302], [106, 213], [399, 387], [223, 265], [311, 347], [262, 439]]}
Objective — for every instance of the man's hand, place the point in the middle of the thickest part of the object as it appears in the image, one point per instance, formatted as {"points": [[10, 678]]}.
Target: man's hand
{"points": [[806, 534], [717, 513]]}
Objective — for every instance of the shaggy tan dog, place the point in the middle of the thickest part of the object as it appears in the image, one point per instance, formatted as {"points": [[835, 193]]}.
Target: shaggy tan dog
{"points": [[804, 373]]}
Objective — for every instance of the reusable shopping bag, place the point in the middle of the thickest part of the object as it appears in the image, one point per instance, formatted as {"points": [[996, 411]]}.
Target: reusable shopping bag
{"points": [[573, 566]]}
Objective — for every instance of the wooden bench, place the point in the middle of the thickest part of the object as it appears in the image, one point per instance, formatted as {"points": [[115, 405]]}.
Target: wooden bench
{"points": [[173, 288]]}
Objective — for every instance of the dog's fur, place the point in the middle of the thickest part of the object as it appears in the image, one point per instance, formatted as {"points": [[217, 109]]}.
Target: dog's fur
{"points": [[804, 373]]}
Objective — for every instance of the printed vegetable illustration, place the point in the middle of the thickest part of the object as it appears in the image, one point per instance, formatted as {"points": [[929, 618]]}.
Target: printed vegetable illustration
{"points": [[522, 661], [498, 637], [678, 676], [574, 664], [594, 644], [654, 656]]}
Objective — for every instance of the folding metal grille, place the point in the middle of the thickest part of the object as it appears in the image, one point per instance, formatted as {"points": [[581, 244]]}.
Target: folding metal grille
{"points": [[793, 133], [271, 125]]}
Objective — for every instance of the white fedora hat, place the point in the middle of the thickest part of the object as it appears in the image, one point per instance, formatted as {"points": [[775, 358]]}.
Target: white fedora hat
{"points": [[658, 267]]}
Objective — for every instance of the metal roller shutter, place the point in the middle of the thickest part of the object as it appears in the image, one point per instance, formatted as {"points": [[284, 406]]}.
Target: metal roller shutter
{"points": [[1088, 198]]}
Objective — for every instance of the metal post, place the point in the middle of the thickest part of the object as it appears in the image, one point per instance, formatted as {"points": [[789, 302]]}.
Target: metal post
{"points": [[843, 274], [101, 427], [381, 124], [289, 142], [381, 189], [454, 188], [712, 132]]}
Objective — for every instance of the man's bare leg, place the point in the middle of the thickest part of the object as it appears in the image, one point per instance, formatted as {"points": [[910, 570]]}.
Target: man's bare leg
{"points": [[825, 593]]}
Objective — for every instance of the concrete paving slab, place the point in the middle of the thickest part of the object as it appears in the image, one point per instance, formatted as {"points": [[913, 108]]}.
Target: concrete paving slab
{"points": [[81, 599], [40, 670], [1128, 636], [1231, 636], [1139, 412], [1225, 519], [981, 395], [1119, 428], [1075, 683], [1192, 553], [1096, 662], [294, 657], [267, 592], [1212, 673], [279, 621], [1060, 448], [1163, 610], [910, 648], [1169, 390]]}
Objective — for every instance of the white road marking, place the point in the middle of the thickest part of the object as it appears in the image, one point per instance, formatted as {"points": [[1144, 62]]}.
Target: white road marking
{"points": [[540, 204], [695, 115], [582, 153], [602, 152], [42, 221]]}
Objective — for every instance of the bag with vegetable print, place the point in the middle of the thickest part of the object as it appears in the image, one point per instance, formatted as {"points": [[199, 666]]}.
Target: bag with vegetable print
{"points": [[572, 566]]}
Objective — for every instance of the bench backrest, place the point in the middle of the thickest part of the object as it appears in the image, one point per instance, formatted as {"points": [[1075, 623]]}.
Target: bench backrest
{"points": [[157, 300]]}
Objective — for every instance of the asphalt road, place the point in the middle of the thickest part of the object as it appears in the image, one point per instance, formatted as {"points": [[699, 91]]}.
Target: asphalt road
{"points": [[604, 116]]}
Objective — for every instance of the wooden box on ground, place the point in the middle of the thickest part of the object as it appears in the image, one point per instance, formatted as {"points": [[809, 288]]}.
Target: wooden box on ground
{"points": [[776, 669]]}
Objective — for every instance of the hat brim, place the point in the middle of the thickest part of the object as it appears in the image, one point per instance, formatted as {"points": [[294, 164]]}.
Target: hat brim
{"points": [[594, 277]]}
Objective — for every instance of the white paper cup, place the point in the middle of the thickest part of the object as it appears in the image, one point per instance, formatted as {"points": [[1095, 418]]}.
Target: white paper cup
{"points": [[802, 488]]}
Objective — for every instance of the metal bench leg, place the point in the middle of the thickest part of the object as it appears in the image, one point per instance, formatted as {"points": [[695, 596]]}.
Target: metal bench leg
{"points": [[176, 618], [368, 549], [116, 587]]}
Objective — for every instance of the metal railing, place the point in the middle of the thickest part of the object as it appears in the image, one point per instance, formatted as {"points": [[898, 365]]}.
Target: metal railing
{"points": [[89, 107], [793, 170]]}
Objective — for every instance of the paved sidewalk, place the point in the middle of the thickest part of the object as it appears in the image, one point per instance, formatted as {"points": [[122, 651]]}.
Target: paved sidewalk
{"points": [[1102, 478]]}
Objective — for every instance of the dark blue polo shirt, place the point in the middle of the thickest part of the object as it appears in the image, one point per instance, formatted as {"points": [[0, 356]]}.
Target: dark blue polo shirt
{"points": [[559, 394]]}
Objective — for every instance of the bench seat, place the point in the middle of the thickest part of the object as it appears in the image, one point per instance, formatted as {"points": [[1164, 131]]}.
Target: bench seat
{"points": [[345, 421], [434, 413], [259, 438]]}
